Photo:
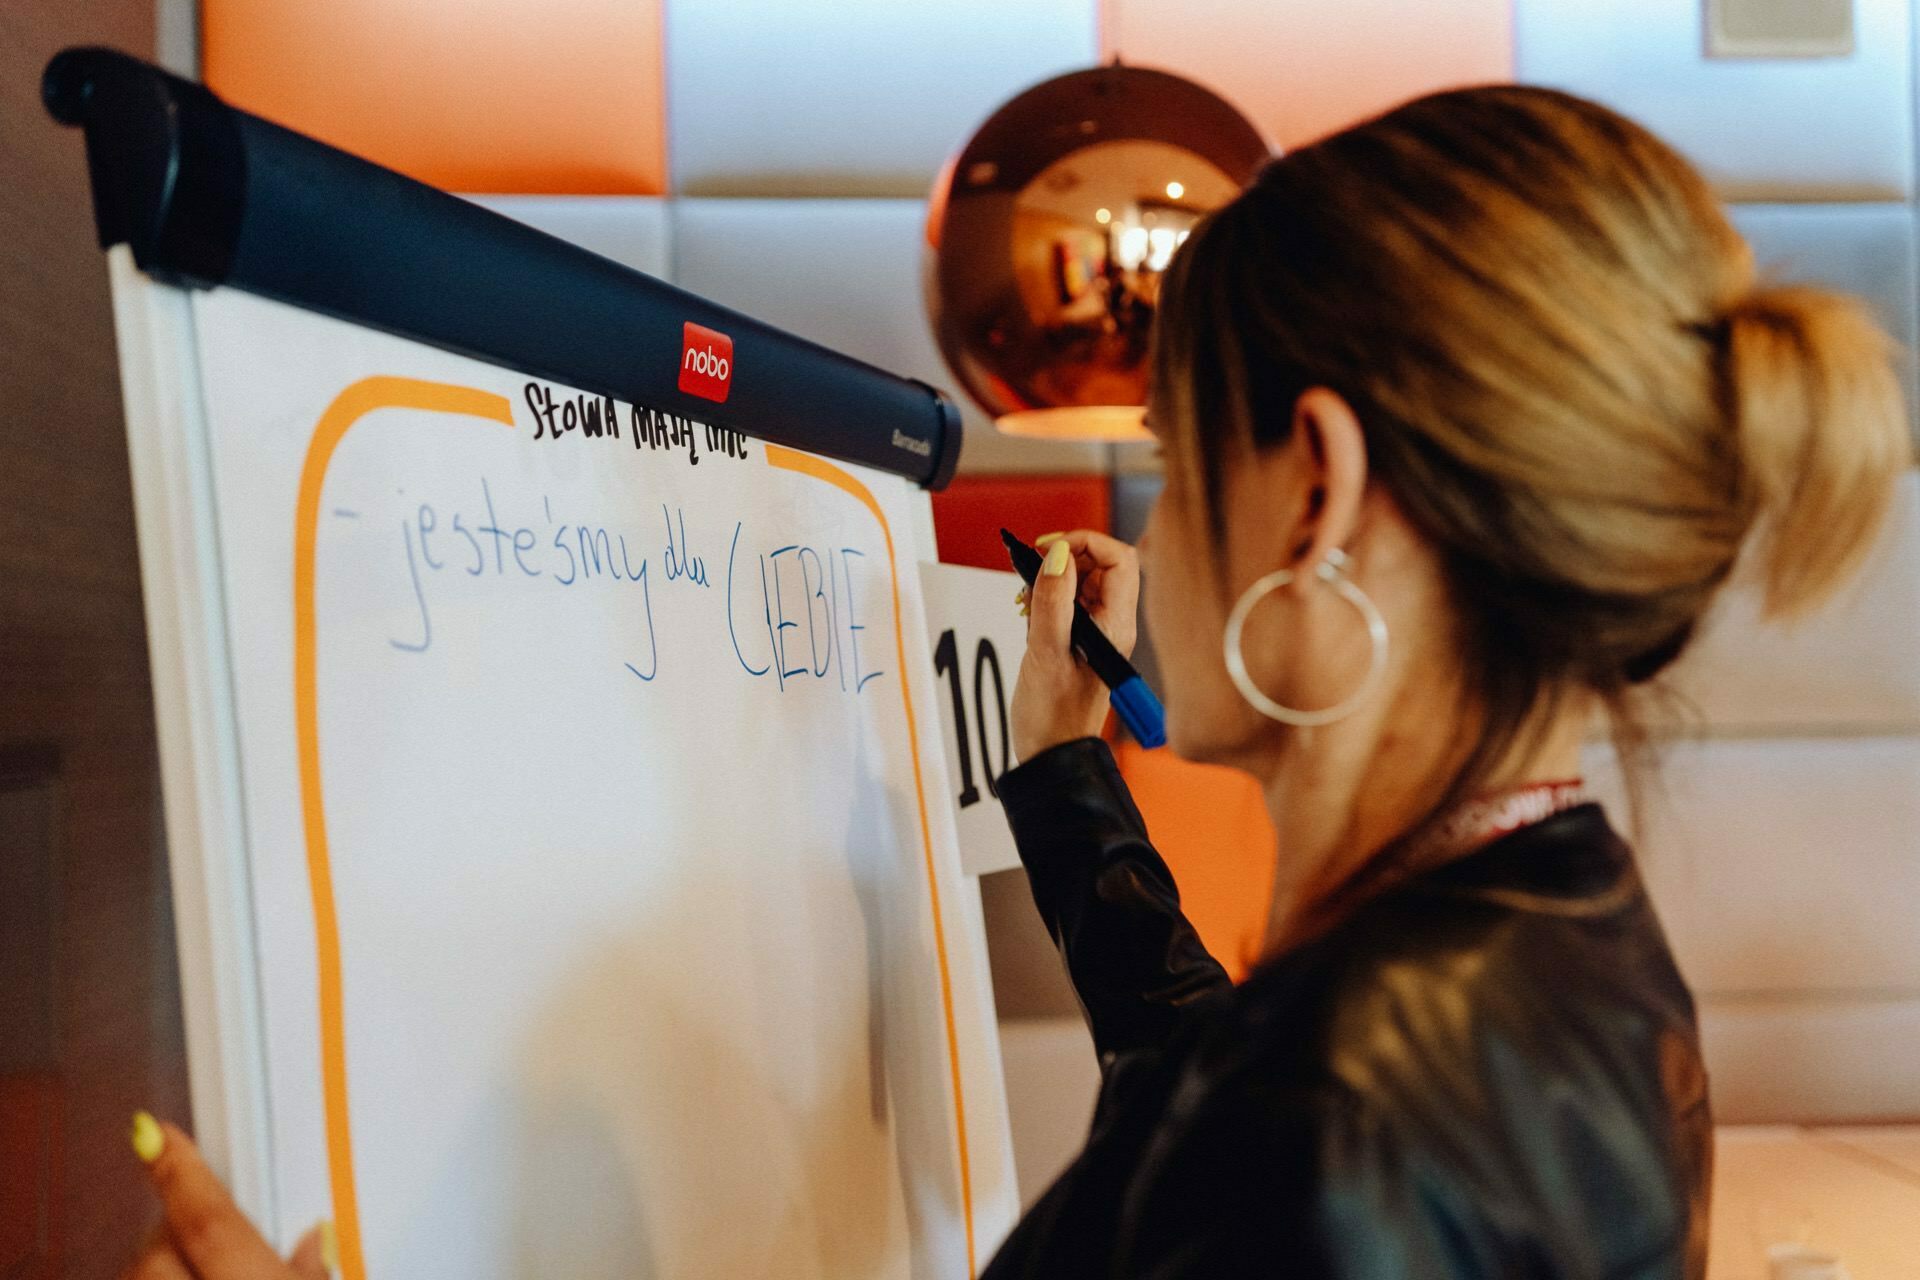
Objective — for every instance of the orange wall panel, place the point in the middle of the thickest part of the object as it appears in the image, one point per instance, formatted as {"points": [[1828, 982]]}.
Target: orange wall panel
{"points": [[1211, 826], [492, 96], [1303, 68]]}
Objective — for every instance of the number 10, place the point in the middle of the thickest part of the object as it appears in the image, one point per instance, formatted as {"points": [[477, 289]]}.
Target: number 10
{"points": [[946, 661]]}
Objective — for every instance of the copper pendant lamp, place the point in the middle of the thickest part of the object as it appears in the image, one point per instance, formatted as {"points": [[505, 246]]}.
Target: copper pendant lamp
{"points": [[1048, 232]]}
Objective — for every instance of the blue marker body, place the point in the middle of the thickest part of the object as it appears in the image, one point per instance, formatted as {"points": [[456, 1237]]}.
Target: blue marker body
{"points": [[1133, 701], [1141, 712]]}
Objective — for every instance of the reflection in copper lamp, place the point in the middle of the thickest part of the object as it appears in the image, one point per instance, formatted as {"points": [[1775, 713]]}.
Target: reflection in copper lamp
{"points": [[1048, 232]]}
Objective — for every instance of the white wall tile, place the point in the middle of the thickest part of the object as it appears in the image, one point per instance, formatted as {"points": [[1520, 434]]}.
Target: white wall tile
{"points": [[631, 230], [859, 97], [1852, 667], [1784, 866], [844, 273], [1787, 874], [1812, 1061], [1777, 128]]}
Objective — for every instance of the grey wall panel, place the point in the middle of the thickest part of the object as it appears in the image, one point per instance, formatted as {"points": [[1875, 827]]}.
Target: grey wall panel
{"points": [[176, 36], [1867, 249], [1133, 497], [1774, 128], [857, 98], [845, 273]]}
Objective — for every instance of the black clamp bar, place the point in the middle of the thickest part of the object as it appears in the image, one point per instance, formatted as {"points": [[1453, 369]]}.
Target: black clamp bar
{"points": [[207, 194]]}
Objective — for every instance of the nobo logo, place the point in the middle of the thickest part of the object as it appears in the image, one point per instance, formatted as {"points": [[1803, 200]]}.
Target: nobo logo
{"points": [[706, 362]]}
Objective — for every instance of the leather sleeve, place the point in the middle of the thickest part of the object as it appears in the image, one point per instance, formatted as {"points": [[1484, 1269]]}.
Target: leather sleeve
{"points": [[1106, 896]]}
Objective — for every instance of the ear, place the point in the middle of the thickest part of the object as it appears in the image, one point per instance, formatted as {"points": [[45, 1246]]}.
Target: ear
{"points": [[1333, 450]]}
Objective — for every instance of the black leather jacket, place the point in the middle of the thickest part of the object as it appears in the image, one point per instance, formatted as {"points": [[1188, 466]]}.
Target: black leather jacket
{"points": [[1488, 1071]]}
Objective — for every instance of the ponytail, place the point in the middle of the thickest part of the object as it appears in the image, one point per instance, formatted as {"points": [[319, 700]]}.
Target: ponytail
{"points": [[1821, 430]]}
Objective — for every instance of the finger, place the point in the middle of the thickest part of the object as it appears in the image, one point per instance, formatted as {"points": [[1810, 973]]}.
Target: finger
{"points": [[1103, 550], [158, 1261], [309, 1258], [1112, 570], [1050, 620], [208, 1229], [1117, 612]]}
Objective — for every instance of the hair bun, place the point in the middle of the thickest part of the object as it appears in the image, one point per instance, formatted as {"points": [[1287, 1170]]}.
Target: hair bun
{"points": [[1795, 309], [1818, 415]]}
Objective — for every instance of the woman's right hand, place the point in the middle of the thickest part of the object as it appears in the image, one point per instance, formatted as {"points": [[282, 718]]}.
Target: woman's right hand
{"points": [[1057, 697]]}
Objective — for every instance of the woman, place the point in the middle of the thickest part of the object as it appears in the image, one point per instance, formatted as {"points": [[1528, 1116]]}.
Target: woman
{"points": [[1468, 412]]}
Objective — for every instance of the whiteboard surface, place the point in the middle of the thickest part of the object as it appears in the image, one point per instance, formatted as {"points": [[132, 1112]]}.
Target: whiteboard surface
{"points": [[639, 967]]}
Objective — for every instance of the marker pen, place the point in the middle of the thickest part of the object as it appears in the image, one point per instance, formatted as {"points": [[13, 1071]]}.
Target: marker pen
{"points": [[1133, 701]]}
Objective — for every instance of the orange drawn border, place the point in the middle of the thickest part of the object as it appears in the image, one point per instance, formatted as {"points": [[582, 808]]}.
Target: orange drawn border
{"points": [[819, 468], [351, 405]]}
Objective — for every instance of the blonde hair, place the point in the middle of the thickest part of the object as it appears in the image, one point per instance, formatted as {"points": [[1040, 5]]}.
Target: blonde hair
{"points": [[1568, 378]]}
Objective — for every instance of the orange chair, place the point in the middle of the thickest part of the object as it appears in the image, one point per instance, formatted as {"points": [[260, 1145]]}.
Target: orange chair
{"points": [[1211, 825]]}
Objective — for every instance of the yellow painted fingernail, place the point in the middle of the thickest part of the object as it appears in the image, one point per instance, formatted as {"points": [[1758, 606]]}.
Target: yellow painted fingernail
{"points": [[1045, 538], [148, 1141], [329, 1247], [1056, 562]]}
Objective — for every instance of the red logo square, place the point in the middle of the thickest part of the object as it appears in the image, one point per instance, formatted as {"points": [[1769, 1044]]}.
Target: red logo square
{"points": [[706, 362]]}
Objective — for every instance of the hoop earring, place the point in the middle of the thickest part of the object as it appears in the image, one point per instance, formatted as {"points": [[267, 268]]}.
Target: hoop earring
{"points": [[1332, 571]]}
